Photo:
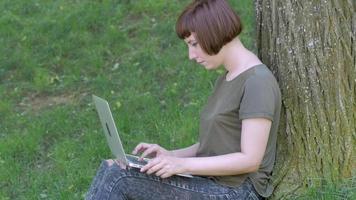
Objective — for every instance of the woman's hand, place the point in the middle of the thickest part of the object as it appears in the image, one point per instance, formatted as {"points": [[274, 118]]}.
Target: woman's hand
{"points": [[164, 166], [150, 150]]}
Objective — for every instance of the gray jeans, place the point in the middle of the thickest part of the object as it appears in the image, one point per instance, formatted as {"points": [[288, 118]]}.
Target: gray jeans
{"points": [[112, 182]]}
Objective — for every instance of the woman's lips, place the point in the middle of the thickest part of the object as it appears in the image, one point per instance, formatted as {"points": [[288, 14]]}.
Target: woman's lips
{"points": [[201, 62]]}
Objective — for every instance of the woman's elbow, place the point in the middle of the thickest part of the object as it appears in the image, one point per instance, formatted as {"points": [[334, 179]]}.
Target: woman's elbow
{"points": [[253, 166]]}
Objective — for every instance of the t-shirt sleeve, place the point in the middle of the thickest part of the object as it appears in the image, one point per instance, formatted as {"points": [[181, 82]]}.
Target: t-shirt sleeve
{"points": [[258, 100]]}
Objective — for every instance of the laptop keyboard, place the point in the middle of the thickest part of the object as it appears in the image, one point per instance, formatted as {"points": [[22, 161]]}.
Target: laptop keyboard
{"points": [[134, 160]]}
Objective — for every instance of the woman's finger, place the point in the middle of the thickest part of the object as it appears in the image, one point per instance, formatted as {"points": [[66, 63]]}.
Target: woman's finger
{"points": [[140, 147], [150, 164], [155, 168], [161, 171], [166, 175], [150, 150]]}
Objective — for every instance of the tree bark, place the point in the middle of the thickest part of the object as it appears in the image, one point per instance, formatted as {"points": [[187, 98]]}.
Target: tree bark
{"points": [[310, 46]]}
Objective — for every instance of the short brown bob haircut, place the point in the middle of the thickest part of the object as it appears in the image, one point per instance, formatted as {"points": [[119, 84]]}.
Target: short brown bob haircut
{"points": [[213, 22]]}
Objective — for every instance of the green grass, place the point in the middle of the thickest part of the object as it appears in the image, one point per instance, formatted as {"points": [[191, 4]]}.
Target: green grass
{"points": [[329, 191], [55, 54]]}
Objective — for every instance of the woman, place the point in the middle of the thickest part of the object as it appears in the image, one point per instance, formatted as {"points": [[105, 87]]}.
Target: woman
{"points": [[235, 154]]}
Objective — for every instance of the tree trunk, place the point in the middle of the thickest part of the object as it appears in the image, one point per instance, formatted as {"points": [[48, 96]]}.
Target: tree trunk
{"points": [[310, 46]]}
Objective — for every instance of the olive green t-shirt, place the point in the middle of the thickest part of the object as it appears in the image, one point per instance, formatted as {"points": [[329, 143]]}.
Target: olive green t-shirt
{"points": [[252, 94]]}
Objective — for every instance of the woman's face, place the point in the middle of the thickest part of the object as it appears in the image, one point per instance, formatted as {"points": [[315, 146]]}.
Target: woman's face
{"points": [[197, 54]]}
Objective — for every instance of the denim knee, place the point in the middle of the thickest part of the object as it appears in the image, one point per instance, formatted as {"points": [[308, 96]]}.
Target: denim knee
{"points": [[106, 178]]}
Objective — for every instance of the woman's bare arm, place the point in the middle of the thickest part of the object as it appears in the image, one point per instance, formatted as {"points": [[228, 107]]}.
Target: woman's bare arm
{"points": [[190, 151]]}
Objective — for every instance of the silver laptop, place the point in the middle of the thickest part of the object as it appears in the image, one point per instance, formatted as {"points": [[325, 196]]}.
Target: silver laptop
{"points": [[113, 139]]}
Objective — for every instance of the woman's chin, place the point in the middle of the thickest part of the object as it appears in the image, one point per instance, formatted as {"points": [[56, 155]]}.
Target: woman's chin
{"points": [[209, 67]]}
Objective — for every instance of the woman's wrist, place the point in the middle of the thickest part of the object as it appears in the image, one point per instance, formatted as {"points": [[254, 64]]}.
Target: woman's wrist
{"points": [[185, 152], [172, 153], [186, 165]]}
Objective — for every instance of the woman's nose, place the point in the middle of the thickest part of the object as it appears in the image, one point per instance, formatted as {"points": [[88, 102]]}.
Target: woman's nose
{"points": [[192, 54]]}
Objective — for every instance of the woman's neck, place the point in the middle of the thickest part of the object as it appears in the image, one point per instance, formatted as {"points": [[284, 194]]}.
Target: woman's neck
{"points": [[238, 59]]}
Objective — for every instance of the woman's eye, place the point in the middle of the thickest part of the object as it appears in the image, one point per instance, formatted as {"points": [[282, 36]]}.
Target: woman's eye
{"points": [[195, 44]]}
